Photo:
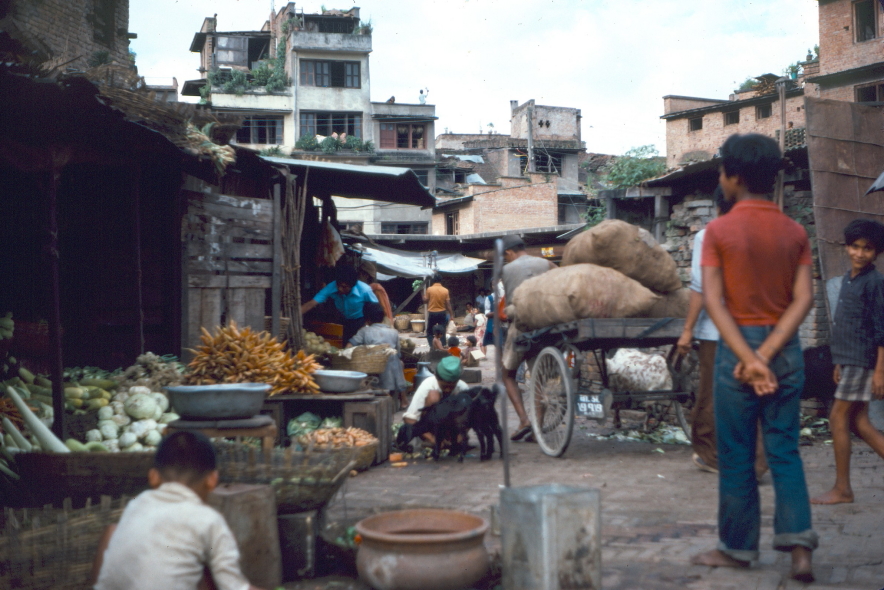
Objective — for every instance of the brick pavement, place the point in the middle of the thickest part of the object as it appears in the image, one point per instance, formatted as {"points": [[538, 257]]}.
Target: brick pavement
{"points": [[657, 509]]}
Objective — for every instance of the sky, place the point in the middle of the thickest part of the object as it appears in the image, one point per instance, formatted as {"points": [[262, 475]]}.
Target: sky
{"points": [[614, 60]]}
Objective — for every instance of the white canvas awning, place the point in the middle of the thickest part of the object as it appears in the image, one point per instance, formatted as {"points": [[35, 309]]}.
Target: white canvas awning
{"points": [[414, 265]]}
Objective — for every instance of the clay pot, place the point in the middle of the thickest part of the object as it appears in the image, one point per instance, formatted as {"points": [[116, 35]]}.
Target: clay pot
{"points": [[422, 549]]}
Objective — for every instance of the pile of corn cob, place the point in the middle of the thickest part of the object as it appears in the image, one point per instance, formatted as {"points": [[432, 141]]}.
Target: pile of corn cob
{"points": [[232, 355]]}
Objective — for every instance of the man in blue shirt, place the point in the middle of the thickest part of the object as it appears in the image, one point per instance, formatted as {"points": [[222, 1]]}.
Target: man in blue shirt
{"points": [[349, 295]]}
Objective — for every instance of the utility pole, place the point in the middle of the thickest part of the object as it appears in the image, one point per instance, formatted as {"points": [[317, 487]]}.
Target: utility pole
{"points": [[779, 190], [531, 137]]}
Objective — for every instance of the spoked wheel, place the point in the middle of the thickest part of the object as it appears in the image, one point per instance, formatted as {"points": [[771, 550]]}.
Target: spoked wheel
{"points": [[550, 402], [656, 413]]}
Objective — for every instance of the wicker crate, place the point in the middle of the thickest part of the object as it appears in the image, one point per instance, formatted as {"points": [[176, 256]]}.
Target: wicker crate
{"points": [[283, 326], [53, 548], [301, 480], [402, 323], [363, 456], [50, 478], [368, 359]]}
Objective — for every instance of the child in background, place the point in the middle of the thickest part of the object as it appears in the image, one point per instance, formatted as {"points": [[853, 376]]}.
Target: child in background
{"points": [[466, 354], [858, 353], [438, 337], [168, 537], [454, 346]]}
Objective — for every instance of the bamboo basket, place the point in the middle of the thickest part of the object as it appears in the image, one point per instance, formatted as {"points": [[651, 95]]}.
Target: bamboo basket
{"points": [[362, 456], [402, 322], [53, 548], [301, 480], [51, 478], [367, 359], [283, 326]]}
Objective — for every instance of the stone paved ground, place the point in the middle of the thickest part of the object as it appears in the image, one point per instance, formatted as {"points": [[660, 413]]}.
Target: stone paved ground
{"points": [[657, 509]]}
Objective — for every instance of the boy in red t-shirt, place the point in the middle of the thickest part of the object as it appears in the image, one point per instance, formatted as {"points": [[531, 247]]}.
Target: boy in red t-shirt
{"points": [[757, 289]]}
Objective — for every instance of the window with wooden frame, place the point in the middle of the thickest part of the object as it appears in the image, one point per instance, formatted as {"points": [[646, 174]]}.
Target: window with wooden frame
{"points": [[330, 74], [732, 118], [403, 136], [396, 227], [695, 124], [763, 111], [263, 130], [870, 93], [452, 223], [326, 123], [864, 20]]}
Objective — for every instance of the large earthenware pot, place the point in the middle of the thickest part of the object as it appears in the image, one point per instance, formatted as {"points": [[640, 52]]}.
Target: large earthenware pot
{"points": [[422, 549]]}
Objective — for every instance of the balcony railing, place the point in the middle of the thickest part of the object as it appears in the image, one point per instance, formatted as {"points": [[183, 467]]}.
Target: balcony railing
{"points": [[312, 40]]}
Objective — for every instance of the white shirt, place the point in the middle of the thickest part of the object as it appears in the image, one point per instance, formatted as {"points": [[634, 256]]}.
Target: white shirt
{"points": [[164, 540], [420, 396], [704, 329]]}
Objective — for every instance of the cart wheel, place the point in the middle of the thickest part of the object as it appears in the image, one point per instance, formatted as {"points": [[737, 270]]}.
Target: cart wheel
{"points": [[550, 402], [681, 369], [679, 415]]}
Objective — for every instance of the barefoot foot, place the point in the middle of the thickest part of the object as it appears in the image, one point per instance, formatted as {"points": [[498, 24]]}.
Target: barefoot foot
{"points": [[716, 558], [801, 566], [833, 496]]}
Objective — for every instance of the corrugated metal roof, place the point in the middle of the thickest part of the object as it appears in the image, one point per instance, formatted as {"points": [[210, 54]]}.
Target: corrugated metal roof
{"points": [[378, 183]]}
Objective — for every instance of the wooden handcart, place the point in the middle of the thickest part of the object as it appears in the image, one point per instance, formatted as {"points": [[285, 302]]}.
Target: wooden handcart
{"points": [[554, 397]]}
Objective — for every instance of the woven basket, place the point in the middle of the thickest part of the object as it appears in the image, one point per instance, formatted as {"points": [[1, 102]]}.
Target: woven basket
{"points": [[53, 548], [283, 326], [301, 480], [368, 359], [402, 322], [50, 478], [363, 456]]}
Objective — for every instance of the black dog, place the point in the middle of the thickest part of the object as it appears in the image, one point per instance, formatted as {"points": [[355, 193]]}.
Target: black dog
{"points": [[451, 419], [484, 421]]}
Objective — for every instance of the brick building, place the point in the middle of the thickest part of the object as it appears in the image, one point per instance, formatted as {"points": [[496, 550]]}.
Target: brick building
{"points": [[851, 66], [72, 33], [512, 202], [488, 181], [696, 127]]}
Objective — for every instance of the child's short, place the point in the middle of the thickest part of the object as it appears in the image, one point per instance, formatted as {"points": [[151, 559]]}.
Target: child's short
{"points": [[855, 384]]}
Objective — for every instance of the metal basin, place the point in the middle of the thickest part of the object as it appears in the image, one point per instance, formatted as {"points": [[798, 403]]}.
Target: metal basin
{"points": [[218, 402], [339, 381]]}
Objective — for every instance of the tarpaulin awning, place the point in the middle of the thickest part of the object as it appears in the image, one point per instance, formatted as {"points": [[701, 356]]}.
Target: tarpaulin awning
{"points": [[378, 183], [414, 265]]}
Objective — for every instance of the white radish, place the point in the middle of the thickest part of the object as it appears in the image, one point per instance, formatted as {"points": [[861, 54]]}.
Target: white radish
{"points": [[48, 441]]}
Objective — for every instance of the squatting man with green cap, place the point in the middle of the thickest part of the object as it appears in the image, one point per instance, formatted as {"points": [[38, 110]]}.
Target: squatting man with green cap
{"points": [[434, 389]]}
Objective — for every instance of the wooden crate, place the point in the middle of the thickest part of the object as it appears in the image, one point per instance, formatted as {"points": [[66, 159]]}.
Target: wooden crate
{"points": [[376, 417], [331, 333]]}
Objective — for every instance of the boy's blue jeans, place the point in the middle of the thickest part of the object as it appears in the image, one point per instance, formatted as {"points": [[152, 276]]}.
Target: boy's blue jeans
{"points": [[737, 413]]}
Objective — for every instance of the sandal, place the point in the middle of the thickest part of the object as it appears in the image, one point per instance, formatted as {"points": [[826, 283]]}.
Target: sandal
{"points": [[521, 433]]}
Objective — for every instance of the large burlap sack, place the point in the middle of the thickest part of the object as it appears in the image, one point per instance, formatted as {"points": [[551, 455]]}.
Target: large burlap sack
{"points": [[628, 248], [671, 305], [577, 292], [633, 370]]}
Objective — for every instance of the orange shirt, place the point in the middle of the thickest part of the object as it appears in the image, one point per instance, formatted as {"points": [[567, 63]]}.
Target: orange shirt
{"points": [[383, 299], [454, 351], [437, 297], [758, 249]]}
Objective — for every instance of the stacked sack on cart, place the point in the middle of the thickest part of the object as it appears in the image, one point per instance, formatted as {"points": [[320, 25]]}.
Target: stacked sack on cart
{"points": [[613, 270]]}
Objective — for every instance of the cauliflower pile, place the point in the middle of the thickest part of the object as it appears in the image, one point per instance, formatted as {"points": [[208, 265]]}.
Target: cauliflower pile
{"points": [[133, 421]]}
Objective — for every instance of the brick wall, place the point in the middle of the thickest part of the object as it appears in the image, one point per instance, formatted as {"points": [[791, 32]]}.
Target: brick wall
{"points": [[839, 49], [515, 205], [684, 145], [72, 31]]}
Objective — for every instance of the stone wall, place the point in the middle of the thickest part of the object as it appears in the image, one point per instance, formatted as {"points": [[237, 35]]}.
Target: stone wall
{"points": [[71, 32], [692, 215]]}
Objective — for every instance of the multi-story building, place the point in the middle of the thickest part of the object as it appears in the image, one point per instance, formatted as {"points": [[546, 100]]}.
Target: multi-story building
{"points": [[851, 65], [305, 77], [491, 184], [696, 127]]}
